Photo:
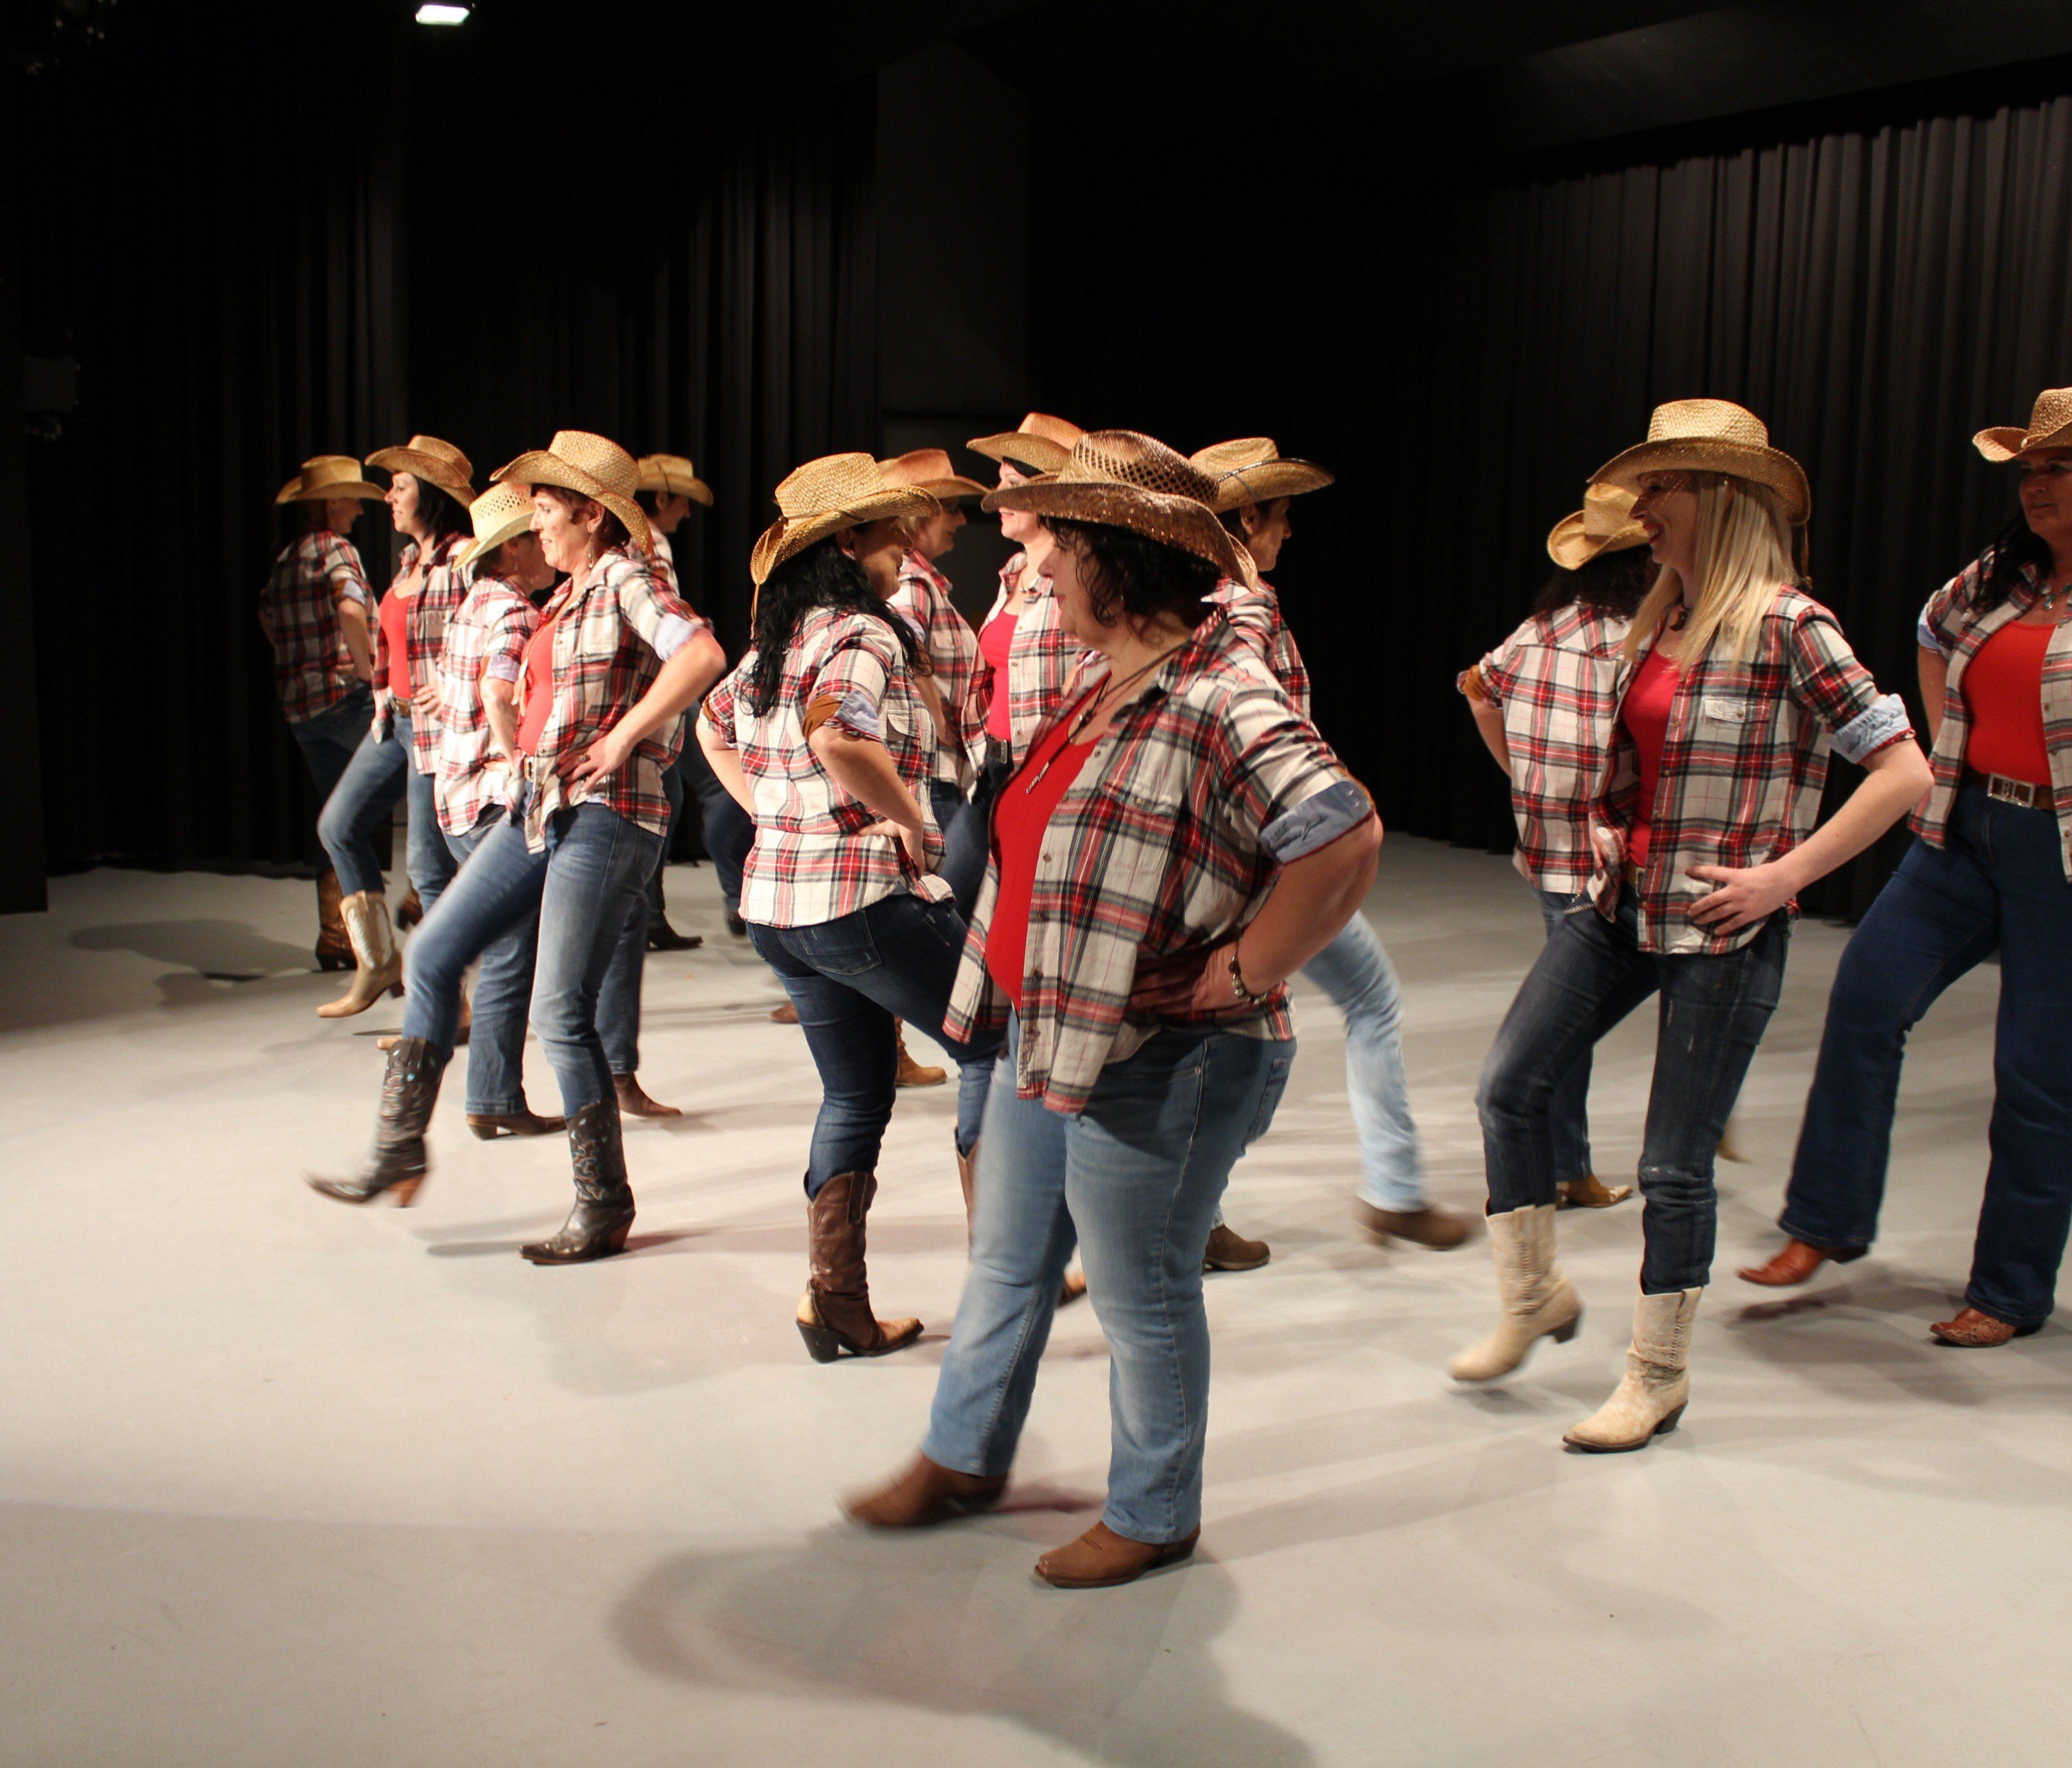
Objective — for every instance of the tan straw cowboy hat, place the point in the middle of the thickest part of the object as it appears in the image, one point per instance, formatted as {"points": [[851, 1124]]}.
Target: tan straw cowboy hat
{"points": [[930, 469], [1041, 441], [600, 469], [1713, 436], [1604, 523], [1127, 479], [326, 476], [501, 513], [673, 475], [437, 462], [825, 496], [1252, 471], [2050, 426]]}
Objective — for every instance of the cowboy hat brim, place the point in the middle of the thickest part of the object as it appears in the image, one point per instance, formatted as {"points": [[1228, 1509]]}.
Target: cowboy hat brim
{"points": [[1770, 468], [481, 549], [1259, 485], [1020, 445], [295, 492], [786, 537], [540, 467], [955, 486], [1158, 516], [429, 467], [1572, 548], [671, 485], [2006, 440]]}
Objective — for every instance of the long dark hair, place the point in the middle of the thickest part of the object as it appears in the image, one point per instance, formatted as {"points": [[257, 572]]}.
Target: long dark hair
{"points": [[2016, 549], [823, 576], [1613, 583], [1129, 574], [440, 511]]}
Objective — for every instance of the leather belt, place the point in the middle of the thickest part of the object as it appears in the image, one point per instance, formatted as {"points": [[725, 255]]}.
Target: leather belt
{"points": [[2020, 792]]}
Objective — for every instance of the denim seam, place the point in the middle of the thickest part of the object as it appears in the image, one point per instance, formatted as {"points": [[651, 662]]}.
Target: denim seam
{"points": [[1029, 1318]]}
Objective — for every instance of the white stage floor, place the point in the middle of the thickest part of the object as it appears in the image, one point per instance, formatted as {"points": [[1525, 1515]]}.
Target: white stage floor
{"points": [[287, 1483]]}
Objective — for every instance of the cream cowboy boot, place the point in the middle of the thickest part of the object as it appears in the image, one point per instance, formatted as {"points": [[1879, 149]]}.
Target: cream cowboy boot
{"points": [[1537, 1300], [366, 914], [1651, 1398]]}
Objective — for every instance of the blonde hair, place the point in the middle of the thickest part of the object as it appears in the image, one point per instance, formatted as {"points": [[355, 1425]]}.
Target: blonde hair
{"points": [[1744, 555]]}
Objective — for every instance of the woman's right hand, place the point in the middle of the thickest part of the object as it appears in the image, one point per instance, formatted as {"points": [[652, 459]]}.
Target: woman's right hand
{"points": [[913, 840]]}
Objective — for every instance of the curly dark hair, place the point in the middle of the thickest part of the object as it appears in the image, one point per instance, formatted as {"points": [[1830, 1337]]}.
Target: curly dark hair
{"points": [[2016, 548], [1130, 575], [1614, 583], [823, 576]]}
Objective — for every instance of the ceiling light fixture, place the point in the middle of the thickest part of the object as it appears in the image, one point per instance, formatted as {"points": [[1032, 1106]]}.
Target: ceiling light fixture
{"points": [[442, 15]]}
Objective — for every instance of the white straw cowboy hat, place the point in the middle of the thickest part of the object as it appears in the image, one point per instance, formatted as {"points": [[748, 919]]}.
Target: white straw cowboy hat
{"points": [[437, 462], [326, 476], [501, 513], [1713, 436], [1252, 471], [2050, 426], [1126, 479], [1604, 523], [576, 461], [673, 475], [1041, 441], [930, 469], [825, 496]]}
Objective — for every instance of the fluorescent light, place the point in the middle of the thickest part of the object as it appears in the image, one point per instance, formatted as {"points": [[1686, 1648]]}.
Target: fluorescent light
{"points": [[442, 15]]}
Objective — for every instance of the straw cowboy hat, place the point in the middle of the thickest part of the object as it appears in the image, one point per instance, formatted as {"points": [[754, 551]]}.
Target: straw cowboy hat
{"points": [[600, 469], [326, 476], [1129, 480], [930, 469], [501, 513], [1713, 436], [823, 497], [437, 462], [2050, 426], [1252, 471], [1604, 523], [673, 475], [1041, 441]]}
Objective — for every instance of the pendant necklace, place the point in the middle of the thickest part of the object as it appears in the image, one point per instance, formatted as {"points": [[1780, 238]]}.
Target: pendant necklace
{"points": [[1093, 707]]}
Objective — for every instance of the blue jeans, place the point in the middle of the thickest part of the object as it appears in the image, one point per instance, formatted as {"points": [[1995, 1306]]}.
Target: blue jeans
{"points": [[619, 998], [1589, 977], [968, 836], [582, 888], [502, 996], [850, 978], [2000, 885], [1572, 1096], [329, 740], [378, 775], [1135, 1178], [1353, 970], [728, 831]]}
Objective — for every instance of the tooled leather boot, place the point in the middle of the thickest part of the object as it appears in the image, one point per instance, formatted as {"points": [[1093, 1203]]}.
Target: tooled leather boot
{"points": [[366, 914], [834, 1313], [602, 1217], [409, 1089]]}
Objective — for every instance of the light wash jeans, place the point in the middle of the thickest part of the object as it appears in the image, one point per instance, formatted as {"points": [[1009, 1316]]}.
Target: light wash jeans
{"points": [[502, 998], [1135, 1178], [378, 775]]}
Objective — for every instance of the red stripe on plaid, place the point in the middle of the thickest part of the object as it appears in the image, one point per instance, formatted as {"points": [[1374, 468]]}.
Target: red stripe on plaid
{"points": [[491, 625], [298, 611], [424, 634], [1256, 613], [923, 594]]}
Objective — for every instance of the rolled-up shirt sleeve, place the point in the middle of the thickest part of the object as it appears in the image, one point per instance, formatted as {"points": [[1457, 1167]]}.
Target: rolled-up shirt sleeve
{"points": [[1937, 628], [717, 710], [850, 687], [1280, 782], [1828, 679], [664, 621], [347, 576]]}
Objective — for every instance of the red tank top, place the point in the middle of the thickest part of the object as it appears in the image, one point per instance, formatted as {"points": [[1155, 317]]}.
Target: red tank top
{"points": [[995, 645], [1021, 816], [2004, 692], [395, 618], [1645, 718], [535, 684]]}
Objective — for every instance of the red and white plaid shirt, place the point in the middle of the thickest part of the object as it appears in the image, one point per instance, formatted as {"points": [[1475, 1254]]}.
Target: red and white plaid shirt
{"points": [[1556, 680], [424, 634], [1956, 629], [1743, 764], [661, 559], [485, 637], [923, 596], [1040, 660], [1258, 613], [618, 627], [812, 861], [1205, 783], [299, 613]]}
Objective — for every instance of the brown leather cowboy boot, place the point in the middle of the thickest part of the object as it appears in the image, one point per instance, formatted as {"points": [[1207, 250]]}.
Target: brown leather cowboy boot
{"points": [[834, 1313], [634, 1102], [488, 1125], [1975, 1331], [603, 1216], [1791, 1264], [1100, 1558], [912, 1073], [924, 1495], [333, 947], [409, 1089]]}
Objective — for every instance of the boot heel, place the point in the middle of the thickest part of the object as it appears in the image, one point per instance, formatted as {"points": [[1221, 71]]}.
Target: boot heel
{"points": [[1563, 1335], [822, 1345], [481, 1129], [404, 1191], [396, 988], [1669, 1423]]}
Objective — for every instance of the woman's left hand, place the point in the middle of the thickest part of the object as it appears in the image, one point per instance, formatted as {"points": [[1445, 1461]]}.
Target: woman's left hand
{"points": [[1194, 984], [1744, 894], [428, 700], [605, 756]]}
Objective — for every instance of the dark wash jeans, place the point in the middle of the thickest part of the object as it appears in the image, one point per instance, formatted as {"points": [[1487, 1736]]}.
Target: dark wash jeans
{"points": [[968, 836], [850, 978], [2000, 884], [329, 740], [1590, 975], [582, 887]]}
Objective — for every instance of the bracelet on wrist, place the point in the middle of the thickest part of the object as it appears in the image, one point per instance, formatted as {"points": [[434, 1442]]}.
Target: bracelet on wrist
{"points": [[1238, 983]]}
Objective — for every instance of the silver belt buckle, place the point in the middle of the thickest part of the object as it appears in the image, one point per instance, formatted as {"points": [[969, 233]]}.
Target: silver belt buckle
{"points": [[2011, 791]]}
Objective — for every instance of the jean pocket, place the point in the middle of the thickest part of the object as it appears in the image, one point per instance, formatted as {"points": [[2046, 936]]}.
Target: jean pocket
{"points": [[841, 948], [1277, 1071]]}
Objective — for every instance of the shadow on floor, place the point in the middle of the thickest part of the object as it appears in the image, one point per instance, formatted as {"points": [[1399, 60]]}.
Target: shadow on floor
{"points": [[228, 951], [951, 1620]]}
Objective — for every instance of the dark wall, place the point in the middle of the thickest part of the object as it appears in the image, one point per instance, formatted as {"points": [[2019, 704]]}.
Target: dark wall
{"points": [[1877, 281]]}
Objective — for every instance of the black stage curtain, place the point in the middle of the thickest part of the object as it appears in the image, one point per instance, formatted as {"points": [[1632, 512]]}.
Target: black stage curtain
{"points": [[1878, 280], [315, 239]]}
